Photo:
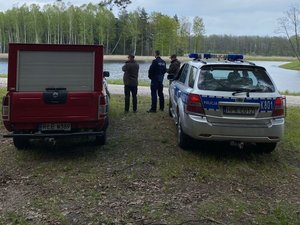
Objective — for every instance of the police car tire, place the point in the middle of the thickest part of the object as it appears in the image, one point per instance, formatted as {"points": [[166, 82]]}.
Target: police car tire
{"points": [[182, 138], [21, 142], [266, 147], [170, 106]]}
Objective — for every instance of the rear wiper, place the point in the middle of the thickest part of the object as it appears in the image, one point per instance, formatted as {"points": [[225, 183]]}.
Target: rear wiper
{"points": [[245, 90]]}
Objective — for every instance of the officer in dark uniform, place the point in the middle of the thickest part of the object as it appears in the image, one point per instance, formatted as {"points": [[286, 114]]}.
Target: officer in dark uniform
{"points": [[156, 74]]}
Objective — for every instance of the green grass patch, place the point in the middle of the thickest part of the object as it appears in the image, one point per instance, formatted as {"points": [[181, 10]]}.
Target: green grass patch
{"points": [[292, 138], [12, 218], [3, 75], [2, 92], [120, 82], [294, 65], [145, 83], [290, 93]]}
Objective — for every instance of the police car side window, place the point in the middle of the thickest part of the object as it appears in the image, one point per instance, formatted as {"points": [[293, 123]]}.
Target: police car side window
{"points": [[192, 76], [184, 73]]}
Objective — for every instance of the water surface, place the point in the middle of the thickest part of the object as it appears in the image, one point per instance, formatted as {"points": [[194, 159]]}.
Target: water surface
{"points": [[285, 80]]}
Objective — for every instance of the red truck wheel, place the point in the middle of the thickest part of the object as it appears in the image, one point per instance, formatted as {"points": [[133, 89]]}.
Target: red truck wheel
{"points": [[101, 139], [21, 142]]}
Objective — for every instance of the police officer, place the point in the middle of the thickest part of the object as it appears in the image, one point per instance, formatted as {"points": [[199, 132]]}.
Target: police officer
{"points": [[156, 75]]}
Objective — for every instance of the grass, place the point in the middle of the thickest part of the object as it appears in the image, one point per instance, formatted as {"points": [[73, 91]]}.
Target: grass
{"points": [[141, 82], [141, 176], [294, 65], [3, 75], [290, 93], [120, 82]]}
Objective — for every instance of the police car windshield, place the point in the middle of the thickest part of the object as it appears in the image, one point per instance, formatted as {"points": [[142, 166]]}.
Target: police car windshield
{"points": [[233, 78]]}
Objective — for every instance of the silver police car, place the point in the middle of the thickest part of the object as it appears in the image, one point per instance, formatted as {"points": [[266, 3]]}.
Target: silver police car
{"points": [[224, 98]]}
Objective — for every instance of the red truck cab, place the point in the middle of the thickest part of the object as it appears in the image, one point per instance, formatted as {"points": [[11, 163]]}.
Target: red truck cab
{"points": [[55, 91]]}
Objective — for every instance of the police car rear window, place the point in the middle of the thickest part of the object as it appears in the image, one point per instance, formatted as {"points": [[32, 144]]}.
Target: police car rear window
{"points": [[233, 78]]}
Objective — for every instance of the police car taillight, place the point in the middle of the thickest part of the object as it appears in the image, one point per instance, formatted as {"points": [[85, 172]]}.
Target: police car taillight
{"points": [[279, 107], [102, 106], [5, 108], [194, 104]]}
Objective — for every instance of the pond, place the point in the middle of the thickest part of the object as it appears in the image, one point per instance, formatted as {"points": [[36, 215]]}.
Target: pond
{"points": [[285, 80]]}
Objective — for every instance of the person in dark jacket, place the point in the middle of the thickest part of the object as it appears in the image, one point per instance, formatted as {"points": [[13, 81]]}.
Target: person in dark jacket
{"points": [[130, 79], [156, 74], [174, 66]]}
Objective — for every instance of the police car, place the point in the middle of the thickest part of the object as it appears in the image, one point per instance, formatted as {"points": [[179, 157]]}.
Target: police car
{"points": [[224, 98]]}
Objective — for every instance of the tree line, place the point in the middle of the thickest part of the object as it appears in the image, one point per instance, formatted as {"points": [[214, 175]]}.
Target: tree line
{"points": [[134, 32]]}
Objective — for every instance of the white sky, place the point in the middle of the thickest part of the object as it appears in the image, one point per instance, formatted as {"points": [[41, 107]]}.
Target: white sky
{"points": [[230, 17]]}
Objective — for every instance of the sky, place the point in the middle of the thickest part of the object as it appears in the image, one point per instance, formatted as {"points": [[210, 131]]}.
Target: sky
{"points": [[221, 17]]}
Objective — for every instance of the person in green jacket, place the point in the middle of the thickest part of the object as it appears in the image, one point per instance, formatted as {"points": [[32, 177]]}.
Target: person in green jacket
{"points": [[130, 79]]}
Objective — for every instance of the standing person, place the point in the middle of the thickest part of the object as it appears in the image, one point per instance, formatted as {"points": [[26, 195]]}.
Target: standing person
{"points": [[156, 75], [130, 79], [174, 66]]}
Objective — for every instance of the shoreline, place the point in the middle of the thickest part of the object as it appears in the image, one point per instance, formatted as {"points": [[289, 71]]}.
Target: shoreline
{"points": [[120, 58]]}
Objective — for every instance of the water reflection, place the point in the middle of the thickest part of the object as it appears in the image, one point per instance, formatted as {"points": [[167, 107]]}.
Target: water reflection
{"points": [[284, 79]]}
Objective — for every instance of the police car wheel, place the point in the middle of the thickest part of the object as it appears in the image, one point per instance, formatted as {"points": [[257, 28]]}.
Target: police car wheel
{"points": [[182, 138], [170, 107], [266, 147]]}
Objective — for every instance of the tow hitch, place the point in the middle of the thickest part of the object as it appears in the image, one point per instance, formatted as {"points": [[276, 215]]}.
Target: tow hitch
{"points": [[238, 144]]}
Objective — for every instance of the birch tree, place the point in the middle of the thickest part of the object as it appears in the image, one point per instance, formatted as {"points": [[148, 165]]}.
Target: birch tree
{"points": [[289, 25]]}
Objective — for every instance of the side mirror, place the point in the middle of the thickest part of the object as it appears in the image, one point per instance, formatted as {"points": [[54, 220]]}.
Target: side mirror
{"points": [[106, 73], [170, 77]]}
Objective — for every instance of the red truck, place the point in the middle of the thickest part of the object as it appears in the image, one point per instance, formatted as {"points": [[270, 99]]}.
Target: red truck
{"points": [[55, 91]]}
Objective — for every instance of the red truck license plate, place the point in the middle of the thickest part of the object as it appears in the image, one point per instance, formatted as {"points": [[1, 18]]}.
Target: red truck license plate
{"points": [[55, 126]]}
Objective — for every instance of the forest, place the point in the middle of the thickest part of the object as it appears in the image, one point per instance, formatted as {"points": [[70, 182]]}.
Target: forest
{"points": [[136, 32]]}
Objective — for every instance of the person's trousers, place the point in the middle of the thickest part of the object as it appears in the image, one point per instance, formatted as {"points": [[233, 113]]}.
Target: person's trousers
{"points": [[157, 89], [133, 90]]}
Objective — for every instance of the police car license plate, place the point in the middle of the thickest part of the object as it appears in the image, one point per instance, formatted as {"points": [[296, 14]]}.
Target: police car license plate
{"points": [[237, 110], [55, 126]]}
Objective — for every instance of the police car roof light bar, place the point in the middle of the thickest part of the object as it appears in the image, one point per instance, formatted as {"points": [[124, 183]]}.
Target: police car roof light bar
{"points": [[229, 57]]}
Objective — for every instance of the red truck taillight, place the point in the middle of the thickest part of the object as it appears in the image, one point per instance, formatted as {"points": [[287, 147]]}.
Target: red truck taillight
{"points": [[102, 106], [5, 108], [194, 104], [279, 107]]}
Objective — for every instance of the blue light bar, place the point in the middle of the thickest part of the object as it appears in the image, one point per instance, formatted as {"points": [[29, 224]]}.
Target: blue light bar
{"points": [[235, 57], [194, 55], [207, 55], [229, 57]]}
